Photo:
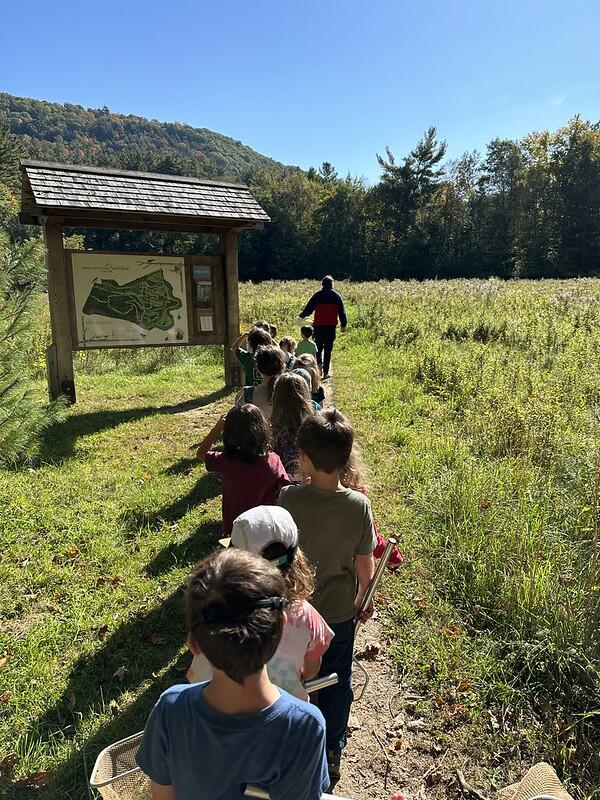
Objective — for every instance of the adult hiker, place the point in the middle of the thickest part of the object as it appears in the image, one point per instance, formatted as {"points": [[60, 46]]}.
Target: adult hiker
{"points": [[328, 306]]}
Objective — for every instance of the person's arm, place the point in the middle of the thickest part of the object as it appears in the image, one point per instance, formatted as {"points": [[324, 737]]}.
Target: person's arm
{"points": [[162, 792], [239, 340], [365, 569], [342, 312], [310, 668], [309, 307], [211, 438]]}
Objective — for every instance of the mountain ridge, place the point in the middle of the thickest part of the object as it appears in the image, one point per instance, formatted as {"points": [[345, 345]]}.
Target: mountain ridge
{"points": [[71, 133]]}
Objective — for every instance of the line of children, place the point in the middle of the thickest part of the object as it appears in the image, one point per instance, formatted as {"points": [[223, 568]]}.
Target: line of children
{"points": [[323, 522], [270, 532]]}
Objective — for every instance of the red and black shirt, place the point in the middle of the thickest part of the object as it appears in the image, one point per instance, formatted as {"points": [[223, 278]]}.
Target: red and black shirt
{"points": [[328, 305]]}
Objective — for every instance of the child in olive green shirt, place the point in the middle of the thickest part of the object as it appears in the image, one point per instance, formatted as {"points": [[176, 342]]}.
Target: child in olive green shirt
{"points": [[306, 345], [336, 532]]}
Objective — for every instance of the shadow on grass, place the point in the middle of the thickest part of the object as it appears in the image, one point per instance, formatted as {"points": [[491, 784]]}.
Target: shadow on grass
{"points": [[135, 521], [178, 554], [58, 441], [142, 645]]}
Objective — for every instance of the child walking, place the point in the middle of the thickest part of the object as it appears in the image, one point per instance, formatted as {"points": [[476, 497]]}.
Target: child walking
{"points": [[270, 364], [309, 363], [270, 532], [206, 741], [288, 346], [251, 473], [337, 535], [306, 344], [256, 337], [291, 406]]}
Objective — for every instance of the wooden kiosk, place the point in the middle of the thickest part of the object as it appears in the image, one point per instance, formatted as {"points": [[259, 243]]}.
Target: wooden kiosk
{"points": [[101, 299]]}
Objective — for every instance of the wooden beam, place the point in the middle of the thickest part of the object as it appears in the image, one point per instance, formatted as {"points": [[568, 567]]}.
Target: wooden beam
{"points": [[229, 250], [60, 356]]}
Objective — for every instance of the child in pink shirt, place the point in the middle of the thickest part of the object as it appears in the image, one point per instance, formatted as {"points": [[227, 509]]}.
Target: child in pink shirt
{"points": [[251, 472], [271, 532]]}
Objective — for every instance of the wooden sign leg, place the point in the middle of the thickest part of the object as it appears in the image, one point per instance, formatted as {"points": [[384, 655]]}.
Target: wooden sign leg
{"points": [[59, 357], [229, 252]]}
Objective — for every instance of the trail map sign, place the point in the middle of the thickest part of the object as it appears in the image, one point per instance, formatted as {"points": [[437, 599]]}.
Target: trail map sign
{"points": [[129, 300], [102, 299]]}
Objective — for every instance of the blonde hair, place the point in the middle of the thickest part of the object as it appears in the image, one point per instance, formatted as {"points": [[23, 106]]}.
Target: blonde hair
{"points": [[299, 576], [354, 476], [291, 405], [309, 363]]}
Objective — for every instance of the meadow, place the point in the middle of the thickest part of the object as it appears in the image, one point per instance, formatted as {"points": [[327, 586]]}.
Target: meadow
{"points": [[477, 407]]}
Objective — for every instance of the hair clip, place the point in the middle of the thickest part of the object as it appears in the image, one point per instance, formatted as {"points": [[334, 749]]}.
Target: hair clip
{"points": [[220, 613]]}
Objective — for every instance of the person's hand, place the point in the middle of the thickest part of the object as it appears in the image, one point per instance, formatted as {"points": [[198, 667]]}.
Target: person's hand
{"points": [[220, 424], [366, 613]]}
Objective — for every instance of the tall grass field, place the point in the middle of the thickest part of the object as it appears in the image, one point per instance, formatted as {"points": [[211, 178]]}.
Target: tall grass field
{"points": [[477, 408]]}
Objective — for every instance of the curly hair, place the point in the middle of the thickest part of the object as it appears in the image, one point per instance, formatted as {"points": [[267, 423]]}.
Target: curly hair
{"points": [[246, 434], [299, 575], [354, 476]]}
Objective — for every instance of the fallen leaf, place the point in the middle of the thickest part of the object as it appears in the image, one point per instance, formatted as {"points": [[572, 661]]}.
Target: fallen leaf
{"points": [[35, 779], [370, 651], [3, 661], [71, 702], [439, 701], [100, 581], [102, 631], [121, 672], [156, 638], [463, 686], [485, 504], [453, 629], [72, 552], [116, 579], [420, 602], [5, 697], [398, 744], [114, 707]]}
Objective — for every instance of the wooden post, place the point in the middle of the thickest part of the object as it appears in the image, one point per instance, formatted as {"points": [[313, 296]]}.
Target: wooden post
{"points": [[229, 253], [59, 358]]}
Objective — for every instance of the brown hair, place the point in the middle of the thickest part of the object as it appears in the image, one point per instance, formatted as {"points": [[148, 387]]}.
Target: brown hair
{"points": [[291, 405], [326, 437], [269, 361], [273, 331], [309, 363], [241, 639], [258, 337], [246, 434], [307, 331], [262, 323], [299, 575], [287, 344]]}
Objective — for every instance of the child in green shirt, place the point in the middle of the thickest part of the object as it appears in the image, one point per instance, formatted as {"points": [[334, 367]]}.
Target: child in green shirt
{"points": [[306, 345]]}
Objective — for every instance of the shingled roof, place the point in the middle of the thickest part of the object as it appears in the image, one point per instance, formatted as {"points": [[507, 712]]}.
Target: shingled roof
{"points": [[80, 193]]}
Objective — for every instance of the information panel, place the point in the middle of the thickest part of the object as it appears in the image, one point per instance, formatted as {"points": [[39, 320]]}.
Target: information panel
{"points": [[126, 300]]}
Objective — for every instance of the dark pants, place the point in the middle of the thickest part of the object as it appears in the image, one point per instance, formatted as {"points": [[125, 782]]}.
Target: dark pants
{"points": [[324, 339], [335, 701]]}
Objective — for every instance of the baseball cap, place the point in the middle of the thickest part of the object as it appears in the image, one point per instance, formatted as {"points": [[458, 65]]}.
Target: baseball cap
{"points": [[260, 527]]}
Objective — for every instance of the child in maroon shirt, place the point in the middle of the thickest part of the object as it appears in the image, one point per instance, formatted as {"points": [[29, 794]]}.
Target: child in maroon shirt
{"points": [[252, 474]]}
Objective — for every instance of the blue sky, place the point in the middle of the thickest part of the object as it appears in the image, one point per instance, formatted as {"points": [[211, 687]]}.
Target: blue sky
{"points": [[305, 81]]}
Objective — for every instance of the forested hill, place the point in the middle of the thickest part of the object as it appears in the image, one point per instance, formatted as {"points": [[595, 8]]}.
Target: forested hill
{"points": [[74, 134]]}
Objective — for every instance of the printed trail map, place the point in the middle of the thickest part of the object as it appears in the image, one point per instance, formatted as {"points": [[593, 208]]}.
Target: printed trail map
{"points": [[146, 301]]}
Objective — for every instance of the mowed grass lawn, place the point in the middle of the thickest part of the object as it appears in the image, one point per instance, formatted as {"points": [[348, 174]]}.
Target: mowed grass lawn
{"points": [[476, 405]]}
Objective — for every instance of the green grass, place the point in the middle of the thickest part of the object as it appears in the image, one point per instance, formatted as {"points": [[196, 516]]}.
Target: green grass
{"points": [[476, 405]]}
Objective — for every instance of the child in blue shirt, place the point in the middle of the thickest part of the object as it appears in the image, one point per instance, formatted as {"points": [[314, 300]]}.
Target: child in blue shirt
{"points": [[207, 741]]}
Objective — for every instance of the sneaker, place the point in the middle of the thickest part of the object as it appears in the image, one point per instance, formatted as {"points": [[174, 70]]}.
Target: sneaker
{"points": [[333, 765], [326, 377]]}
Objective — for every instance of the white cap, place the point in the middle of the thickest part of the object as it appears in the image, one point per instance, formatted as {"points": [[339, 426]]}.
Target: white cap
{"points": [[256, 529]]}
